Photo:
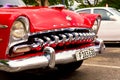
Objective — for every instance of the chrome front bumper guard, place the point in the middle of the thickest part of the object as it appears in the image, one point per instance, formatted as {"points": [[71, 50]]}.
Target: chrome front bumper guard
{"points": [[50, 59]]}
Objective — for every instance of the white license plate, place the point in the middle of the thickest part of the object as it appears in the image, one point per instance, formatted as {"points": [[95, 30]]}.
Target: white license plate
{"points": [[85, 53]]}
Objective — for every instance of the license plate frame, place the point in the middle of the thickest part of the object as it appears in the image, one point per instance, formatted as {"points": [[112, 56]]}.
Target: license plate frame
{"points": [[85, 53]]}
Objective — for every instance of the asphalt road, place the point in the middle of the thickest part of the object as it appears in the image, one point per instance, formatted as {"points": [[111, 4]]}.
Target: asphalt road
{"points": [[106, 66]]}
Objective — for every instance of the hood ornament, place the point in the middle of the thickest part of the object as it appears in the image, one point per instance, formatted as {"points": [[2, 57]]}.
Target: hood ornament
{"points": [[68, 18]]}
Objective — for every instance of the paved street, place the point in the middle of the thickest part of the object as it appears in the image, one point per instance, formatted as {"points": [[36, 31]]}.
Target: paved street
{"points": [[103, 67]]}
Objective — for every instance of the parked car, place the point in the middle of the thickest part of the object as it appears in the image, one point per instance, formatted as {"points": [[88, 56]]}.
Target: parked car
{"points": [[47, 37], [110, 24]]}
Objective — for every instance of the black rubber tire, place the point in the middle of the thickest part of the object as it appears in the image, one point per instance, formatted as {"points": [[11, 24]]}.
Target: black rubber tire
{"points": [[70, 67]]}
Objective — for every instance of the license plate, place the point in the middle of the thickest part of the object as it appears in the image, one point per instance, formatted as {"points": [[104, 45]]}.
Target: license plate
{"points": [[85, 53]]}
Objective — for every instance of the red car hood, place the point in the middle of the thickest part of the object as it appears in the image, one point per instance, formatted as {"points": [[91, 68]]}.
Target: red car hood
{"points": [[44, 19], [47, 18]]}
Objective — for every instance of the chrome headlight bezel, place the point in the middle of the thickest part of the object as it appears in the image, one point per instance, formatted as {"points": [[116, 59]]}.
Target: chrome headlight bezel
{"points": [[17, 40], [26, 27], [20, 29]]}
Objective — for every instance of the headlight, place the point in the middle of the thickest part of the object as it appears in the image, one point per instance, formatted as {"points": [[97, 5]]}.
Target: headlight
{"points": [[18, 30], [96, 25]]}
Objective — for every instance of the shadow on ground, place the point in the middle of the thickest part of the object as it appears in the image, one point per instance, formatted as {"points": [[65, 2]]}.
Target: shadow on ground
{"points": [[36, 75], [112, 44]]}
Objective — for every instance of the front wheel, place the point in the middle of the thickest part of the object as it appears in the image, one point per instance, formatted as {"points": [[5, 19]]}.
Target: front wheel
{"points": [[70, 67]]}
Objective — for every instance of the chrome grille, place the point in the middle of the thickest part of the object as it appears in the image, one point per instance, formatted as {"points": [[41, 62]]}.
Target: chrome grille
{"points": [[62, 37], [58, 39]]}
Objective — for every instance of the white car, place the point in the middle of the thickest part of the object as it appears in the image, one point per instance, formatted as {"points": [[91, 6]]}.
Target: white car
{"points": [[110, 24]]}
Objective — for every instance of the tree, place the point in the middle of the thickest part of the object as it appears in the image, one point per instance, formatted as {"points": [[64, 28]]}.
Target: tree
{"points": [[68, 3], [87, 3], [111, 3], [30, 2]]}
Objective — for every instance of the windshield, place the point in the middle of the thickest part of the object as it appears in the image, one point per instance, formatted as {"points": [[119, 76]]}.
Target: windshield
{"points": [[115, 11], [12, 2]]}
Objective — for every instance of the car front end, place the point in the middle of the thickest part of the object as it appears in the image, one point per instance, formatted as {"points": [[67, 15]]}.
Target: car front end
{"points": [[66, 38]]}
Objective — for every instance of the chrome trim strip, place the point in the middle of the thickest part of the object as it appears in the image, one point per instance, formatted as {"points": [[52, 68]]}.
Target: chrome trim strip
{"points": [[3, 26]]}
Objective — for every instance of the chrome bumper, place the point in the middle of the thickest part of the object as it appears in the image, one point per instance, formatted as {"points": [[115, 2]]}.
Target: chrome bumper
{"points": [[50, 59]]}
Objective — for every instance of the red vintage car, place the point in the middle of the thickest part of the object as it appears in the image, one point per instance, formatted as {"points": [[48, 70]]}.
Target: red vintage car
{"points": [[47, 37]]}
